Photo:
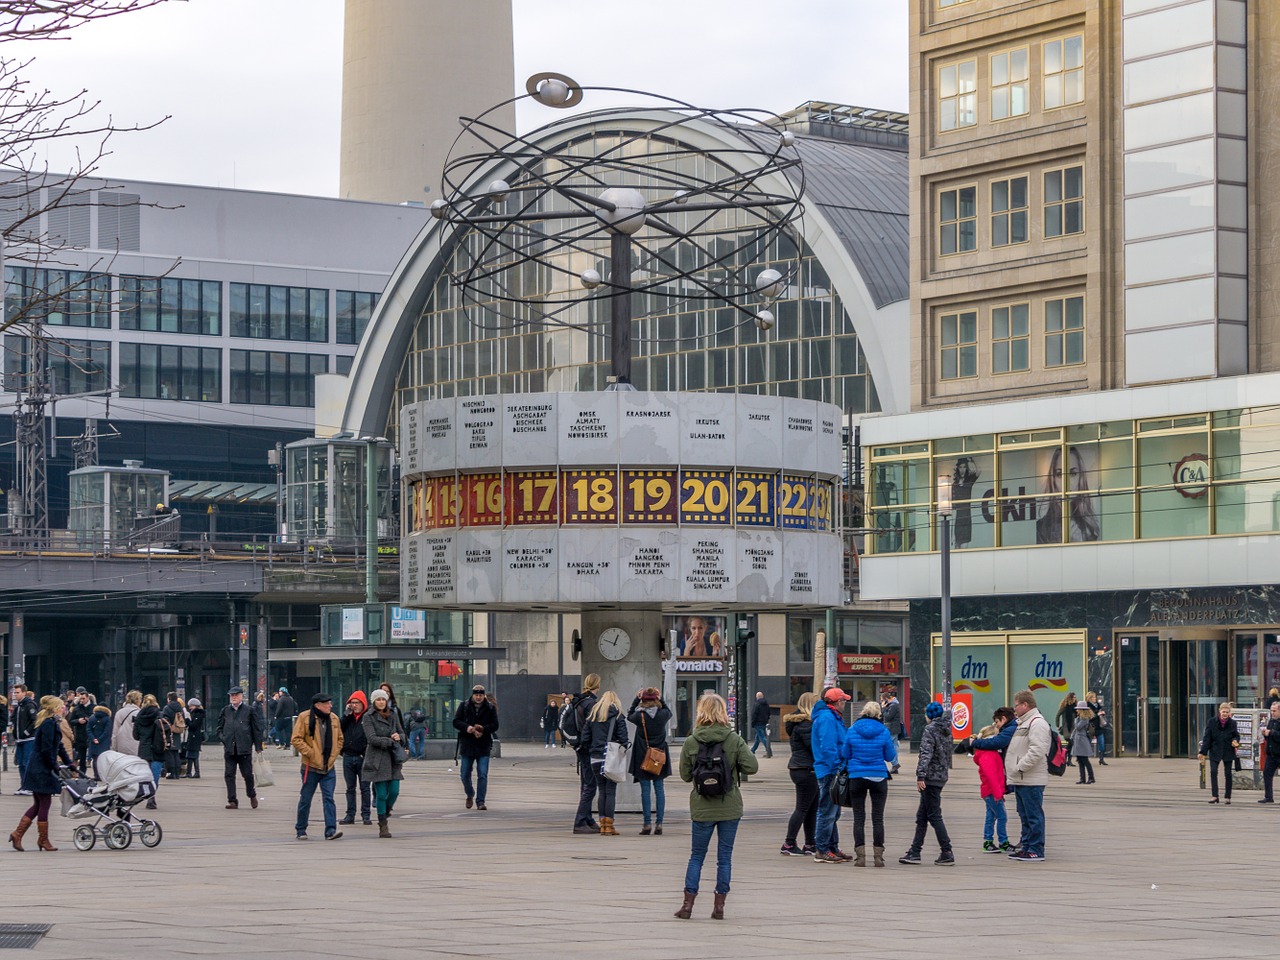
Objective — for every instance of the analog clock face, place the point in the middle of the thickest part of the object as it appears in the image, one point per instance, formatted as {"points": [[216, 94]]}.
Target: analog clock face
{"points": [[614, 643]]}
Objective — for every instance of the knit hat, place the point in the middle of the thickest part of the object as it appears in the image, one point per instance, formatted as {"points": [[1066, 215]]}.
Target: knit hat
{"points": [[284, 689], [379, 694], [934, 710]]}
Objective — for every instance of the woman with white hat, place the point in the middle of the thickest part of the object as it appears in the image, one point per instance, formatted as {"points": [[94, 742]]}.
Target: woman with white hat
{"points": [[385, 755]]}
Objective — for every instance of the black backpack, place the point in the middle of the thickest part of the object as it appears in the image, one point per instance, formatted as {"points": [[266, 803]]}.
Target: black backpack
{"points": [[711, 774], [571, 722]]}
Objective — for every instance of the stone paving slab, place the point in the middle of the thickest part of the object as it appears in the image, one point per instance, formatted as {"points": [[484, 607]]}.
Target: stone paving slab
{"points": [[1137, 862]]}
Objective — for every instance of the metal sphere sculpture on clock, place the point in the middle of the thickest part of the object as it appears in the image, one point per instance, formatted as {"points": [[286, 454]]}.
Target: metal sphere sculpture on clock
{"points": [[559, 234]]}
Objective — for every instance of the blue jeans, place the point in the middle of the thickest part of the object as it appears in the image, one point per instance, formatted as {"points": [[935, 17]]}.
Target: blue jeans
{"points": [[660, 791], [1031, 810], [762, 739], [997, 822], [326, 782], [418, 743], [702, 830], [283, 733], [828, 834], [481, 765], [1102, 746], [550, 737], [22, 756], [157, 768]]}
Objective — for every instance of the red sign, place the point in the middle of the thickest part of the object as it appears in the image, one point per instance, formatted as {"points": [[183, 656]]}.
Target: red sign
{"points": [[532, 498], [865, 663], [961, 714]]}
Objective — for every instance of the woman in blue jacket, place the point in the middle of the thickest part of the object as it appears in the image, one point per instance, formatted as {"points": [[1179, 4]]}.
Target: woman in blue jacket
{"points": [[869, 751]]}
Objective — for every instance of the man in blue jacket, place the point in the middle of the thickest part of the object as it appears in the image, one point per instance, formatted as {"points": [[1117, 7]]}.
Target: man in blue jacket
{"points": [[827, 737]]}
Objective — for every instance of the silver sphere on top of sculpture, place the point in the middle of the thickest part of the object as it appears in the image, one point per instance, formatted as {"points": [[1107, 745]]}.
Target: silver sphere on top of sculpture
{"points": [[694, 209]]}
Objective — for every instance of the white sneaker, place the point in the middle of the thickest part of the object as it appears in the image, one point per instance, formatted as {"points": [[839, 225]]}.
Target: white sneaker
{"points": [[22, 793]]}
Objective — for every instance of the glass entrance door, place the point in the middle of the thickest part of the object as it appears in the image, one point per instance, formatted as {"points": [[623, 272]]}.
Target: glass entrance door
{"points": [[1196, 674], [1137, 701]]}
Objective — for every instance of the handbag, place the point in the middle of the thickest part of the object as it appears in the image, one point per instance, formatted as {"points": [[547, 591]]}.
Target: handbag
{"points": [[398, 753], [262, 775], [655, 758], [617, 758], [842, 788]]}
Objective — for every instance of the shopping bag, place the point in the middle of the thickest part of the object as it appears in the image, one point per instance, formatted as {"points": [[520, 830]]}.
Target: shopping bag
{"points": [[262, 775]]}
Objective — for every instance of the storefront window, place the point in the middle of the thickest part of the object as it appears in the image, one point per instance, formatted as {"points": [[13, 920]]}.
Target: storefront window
{"points": [[1246, 668], [1173, 479], [1271, 661], [434, 686], [977, 670], [883, 637], [972, 472], [799, 640]]}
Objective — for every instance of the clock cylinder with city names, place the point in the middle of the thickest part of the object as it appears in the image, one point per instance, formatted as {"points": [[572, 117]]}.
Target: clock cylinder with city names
{"points": [[560, 501]]}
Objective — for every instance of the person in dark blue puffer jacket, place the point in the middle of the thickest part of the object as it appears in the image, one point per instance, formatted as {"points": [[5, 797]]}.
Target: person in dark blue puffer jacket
{"points": [[868, 746]]}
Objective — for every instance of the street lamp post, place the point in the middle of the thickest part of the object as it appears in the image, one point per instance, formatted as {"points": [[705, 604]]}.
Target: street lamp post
{"points": [[371, 519], [944, 545]]}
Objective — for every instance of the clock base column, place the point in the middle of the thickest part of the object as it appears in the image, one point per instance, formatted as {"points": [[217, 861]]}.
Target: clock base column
{"points": [[641, 667]]}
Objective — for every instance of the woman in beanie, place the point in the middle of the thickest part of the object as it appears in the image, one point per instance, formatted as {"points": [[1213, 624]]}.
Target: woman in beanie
{"points": [[41, 775], [195, 737], [384, 756], [932, 771], [650, 716], [713, 814]]}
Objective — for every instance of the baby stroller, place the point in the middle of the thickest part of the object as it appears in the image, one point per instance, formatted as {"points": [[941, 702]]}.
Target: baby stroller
{"points": [[123, 782]]}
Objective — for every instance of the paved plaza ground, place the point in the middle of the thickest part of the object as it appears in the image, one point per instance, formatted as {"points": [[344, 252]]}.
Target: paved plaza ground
{"points": [[1137, 864]]}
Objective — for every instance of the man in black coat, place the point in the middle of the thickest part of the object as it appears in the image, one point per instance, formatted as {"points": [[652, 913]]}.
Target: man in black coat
{"points": [[240, 731], [23, 707], [760, 714], [476, 722], [78, 716], [285, 710]]}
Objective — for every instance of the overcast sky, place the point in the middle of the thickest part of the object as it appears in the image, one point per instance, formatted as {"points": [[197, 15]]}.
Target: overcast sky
{"points": [[253, 87]]}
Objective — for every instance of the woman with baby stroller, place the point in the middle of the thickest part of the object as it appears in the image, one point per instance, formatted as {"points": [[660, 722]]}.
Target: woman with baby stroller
{"points": [[41, 776]]}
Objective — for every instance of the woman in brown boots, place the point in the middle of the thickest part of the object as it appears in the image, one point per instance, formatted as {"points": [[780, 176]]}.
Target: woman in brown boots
{"points": [[714, 759], [605, 724], [41, 776]]}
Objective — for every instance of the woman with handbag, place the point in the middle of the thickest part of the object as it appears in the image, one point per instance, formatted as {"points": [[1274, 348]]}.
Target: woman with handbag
{"points": [[650, 760], [604, 726], [869, 751], [384, 756]]}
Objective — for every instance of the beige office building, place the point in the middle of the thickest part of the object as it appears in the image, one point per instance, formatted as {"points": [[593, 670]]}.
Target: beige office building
{"points": [[1095, 395]]}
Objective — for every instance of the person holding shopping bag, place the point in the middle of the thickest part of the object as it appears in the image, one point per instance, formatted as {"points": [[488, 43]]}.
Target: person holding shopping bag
{"points": [[604, 725]]}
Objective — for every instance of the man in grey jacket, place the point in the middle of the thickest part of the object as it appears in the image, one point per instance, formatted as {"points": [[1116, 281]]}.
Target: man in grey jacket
{"points": [[1026, 767]]}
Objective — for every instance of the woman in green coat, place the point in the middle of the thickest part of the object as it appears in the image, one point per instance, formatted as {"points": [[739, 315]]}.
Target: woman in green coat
{"points": [[713, 809]]}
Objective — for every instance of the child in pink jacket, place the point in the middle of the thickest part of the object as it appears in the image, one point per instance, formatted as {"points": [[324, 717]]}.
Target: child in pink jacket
{"points": [[991, 774]]}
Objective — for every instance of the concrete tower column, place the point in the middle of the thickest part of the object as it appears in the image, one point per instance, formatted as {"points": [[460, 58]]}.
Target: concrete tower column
{"points": [[410, 68]]}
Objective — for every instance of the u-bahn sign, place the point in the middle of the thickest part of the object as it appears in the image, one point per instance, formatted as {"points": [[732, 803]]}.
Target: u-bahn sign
{"points": [[634, 498]]}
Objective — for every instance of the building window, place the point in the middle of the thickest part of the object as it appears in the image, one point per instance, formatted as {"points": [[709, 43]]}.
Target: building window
{"points": [[1064, 331], [1008, 211], [1063, 72], [342, 365], [275, 379], [958, 95], [169, 372], [959, 345], [1010, 338], [1064, 202], [171, 305], [279, 313], [958, 220], [353, 310], [75, 366], [950, 3], [64, 298], [1009, 79]]}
